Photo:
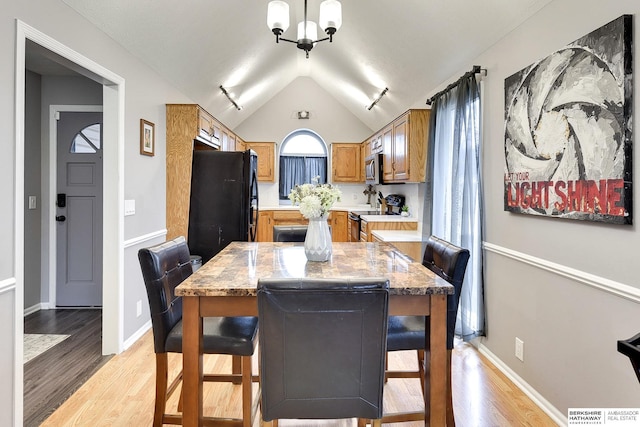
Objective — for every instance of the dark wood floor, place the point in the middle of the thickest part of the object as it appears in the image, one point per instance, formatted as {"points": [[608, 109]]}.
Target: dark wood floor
{"points": [[52, 377]]}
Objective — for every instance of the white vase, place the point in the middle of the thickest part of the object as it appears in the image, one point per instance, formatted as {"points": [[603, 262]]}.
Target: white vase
{"points": [[317, 244]]}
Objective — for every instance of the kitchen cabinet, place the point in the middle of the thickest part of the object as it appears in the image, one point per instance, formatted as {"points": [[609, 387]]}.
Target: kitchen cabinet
{"points": [[265, 226], [366, 227], [239, 144], [405, 147], [228, 140], [189, 128], [185, 123], [270, 218], [266, 159], [339, 226], [412, 249], [346, 162]]}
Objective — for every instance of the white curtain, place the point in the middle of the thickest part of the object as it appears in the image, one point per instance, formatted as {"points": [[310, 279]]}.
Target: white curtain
{"points": [[456, 202]]}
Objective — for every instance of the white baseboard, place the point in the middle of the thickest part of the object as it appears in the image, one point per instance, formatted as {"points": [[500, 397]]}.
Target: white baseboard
{"points": [[137, 335], [557, 416], [33, 309]]}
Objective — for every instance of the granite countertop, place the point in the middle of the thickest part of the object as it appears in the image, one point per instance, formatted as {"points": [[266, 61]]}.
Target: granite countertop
{"points": [[398, 235], [388, 218], [236, 269]]}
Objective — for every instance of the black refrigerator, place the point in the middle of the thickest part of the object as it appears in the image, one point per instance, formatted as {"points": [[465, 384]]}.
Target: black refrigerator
{"points": [[224, 200]]}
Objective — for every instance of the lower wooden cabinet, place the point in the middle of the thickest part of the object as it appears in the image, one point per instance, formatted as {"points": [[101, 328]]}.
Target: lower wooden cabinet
{"points": [[339, 226], [267, 219], [265, 226], [367, 227]]}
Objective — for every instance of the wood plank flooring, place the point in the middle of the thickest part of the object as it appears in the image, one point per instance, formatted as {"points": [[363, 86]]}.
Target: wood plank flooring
{"points": [[50, 378], [121, 393]]}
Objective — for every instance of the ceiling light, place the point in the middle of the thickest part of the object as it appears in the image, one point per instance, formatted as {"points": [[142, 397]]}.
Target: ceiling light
{"points": [[375, 101], [235, 104], [303, 114], [330, 21]]}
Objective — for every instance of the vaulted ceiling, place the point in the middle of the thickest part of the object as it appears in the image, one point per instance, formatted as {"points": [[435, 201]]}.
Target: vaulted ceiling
{"points": [[409, 46]]}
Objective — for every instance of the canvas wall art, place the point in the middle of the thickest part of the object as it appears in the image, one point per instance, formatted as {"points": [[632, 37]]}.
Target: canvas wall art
{"points": [[568, 131]]}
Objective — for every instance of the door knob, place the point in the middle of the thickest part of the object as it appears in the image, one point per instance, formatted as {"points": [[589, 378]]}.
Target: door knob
{"points": [[61, 218]]}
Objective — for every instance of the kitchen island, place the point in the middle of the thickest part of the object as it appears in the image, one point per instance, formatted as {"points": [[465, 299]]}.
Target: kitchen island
{"points": [[226, 286]]}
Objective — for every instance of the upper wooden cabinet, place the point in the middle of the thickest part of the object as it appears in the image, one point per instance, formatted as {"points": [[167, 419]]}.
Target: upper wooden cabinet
{"points": [[266, 159], [405, 142], [346, 162]]}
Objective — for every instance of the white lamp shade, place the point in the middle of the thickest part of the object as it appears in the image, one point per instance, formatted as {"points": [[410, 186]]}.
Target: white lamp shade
{"points": [[312, 31], [330, 14], [278, 15]]}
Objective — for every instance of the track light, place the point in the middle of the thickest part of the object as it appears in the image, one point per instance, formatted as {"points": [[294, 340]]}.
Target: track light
{"points": [[235, 104], [375, 101]]}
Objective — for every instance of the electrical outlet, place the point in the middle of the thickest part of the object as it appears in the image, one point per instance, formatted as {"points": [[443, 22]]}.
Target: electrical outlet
{"points": [[520, 349], [139, 308]]}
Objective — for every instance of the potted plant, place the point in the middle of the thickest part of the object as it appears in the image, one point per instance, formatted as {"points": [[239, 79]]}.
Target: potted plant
{"points": [[404, 211]]}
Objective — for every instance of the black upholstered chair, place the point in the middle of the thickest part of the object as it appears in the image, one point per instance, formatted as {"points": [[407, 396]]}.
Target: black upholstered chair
{"points": [[289, 233], [164, 267], [631, 349], [408, 332], [322, 348]]}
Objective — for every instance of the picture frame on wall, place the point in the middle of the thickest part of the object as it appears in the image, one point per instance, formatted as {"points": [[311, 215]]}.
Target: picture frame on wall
{"points": [[147, 138], [568, 132]]}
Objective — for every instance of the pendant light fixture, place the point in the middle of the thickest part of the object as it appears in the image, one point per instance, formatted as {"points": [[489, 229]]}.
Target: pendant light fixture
{"points": [[330, 21]]}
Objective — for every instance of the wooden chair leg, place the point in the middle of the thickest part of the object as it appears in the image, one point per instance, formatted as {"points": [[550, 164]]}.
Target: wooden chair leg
{"points": [[421, 363], [376, 423], [362, 422], [451, 422], [236, 368], [386, 367], [162, 372], [247, 391]]}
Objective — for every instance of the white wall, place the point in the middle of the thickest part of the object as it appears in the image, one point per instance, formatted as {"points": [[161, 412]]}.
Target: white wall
{"points": [[144, 177], [555, 283], [330, 119]]}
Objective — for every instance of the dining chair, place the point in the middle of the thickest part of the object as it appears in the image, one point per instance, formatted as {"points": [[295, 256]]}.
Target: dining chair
{"points": [[631, 349], [449, 262], [164, 267], [289, 233], [322, 348]]}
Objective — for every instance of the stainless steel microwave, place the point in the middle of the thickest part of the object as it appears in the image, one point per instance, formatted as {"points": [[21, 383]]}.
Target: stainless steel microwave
{"points": [[373, 169]]}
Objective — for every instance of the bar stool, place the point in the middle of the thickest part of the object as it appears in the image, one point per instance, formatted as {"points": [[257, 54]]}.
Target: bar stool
{"points": [[289, 233], [322, 348], [164, 267], [408, 332]]}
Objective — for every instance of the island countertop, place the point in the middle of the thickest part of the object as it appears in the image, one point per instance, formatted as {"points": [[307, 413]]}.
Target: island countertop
{"points": [[236, 269]]}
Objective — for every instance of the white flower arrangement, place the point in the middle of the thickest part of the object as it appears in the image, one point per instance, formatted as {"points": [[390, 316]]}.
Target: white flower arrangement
{"points": [[315, 200]]}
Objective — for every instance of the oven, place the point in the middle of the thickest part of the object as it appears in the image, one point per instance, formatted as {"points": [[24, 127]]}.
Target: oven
{"points": [[354, 224], [354, 228]]}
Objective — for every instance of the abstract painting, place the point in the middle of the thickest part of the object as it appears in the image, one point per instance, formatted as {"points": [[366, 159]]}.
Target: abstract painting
{"points": [[568, 130]]}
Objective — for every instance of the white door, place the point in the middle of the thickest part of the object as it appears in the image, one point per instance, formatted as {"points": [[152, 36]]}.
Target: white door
{"points": [[79, 210]]}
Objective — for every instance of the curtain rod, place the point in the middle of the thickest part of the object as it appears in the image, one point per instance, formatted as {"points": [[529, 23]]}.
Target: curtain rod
{"points": [[475, 70]]}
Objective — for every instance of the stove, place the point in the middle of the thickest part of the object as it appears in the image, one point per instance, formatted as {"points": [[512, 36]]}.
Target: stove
{"points": [[354, 223]]}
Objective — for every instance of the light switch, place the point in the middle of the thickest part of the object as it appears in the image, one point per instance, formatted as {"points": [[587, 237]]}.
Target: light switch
{"points": [[32, 202], [129, 207]]}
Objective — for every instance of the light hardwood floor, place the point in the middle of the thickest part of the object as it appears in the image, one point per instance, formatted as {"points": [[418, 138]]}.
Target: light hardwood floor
{"points": [[122, 393]]}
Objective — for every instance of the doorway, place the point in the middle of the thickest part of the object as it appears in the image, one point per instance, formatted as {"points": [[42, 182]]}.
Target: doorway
{"points": [[112, 198]]}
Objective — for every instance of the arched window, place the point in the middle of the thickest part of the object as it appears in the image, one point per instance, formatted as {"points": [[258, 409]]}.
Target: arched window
{"points": [[303, 156]]}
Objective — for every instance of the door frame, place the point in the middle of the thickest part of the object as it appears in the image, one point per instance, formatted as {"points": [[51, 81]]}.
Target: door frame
{"points": [[51, 212], [113, 99]]}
